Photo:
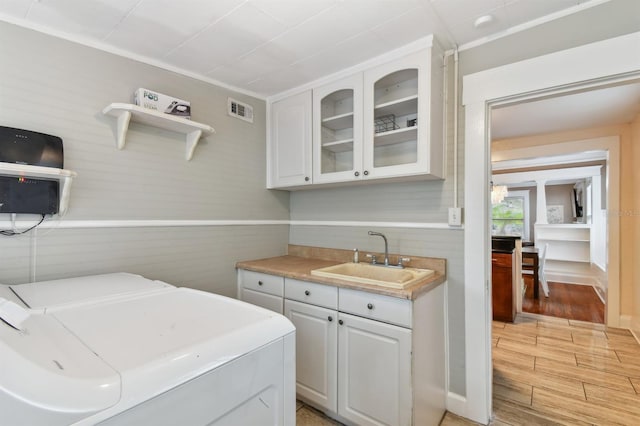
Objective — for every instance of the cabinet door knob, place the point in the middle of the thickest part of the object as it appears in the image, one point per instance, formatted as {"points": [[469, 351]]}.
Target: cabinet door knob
{"points": [[366, 172], [259, 282], [357, 174], [330, 318], [340, 322], [307, 292], [306, 178], [369, 305]]}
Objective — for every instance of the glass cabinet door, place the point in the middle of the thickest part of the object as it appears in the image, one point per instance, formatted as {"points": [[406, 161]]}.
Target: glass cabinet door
{"points": [[395, 119], [337, 131], [403, 118]]}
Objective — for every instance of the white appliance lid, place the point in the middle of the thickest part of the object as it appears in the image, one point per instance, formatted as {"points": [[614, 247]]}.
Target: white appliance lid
{"points": [[161, 339], [46, 366], [46, 294]]}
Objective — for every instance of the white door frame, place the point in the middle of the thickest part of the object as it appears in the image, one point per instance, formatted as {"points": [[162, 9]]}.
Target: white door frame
{"points": [[591, 65]]}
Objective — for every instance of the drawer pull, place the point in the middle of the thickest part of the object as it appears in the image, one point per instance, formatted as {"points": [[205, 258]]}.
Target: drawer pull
{"points": [[259, 282], [330, 318], [340, 322], [369, 306], [307, 292]]}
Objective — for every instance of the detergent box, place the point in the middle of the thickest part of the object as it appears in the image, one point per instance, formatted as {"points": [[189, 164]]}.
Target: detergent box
{"points": [[162, 103]]}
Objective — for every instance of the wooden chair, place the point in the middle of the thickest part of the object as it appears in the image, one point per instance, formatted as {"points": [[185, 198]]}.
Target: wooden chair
{"points": [[541, 275], [529, 268]]}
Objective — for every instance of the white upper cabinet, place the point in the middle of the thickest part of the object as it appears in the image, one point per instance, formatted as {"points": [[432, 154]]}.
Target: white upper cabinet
{"points": [[383, 122], [289, 145], [403, 106], [337, 131]]}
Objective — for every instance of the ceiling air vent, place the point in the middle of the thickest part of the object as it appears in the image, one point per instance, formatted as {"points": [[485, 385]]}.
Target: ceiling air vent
{"points": [[240, 110]]}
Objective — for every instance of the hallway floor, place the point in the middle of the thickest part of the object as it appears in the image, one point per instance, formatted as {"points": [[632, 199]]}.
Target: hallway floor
{"points": [[558, 371], [570, 301]]}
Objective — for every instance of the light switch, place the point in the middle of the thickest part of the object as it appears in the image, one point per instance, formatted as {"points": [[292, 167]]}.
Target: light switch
{"points": [[455, 216]]}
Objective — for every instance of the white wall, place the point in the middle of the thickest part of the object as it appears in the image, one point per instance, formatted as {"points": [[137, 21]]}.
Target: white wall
{"points": [[58, 87], [561, 195], [599, 226], [635, 217]]}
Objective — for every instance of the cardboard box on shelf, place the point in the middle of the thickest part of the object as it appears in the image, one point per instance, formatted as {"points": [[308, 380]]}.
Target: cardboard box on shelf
{"points": [[162, 103]]}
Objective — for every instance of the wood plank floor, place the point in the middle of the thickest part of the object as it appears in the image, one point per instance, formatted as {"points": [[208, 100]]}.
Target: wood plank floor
{"points": [[550, 371], [570, 301]]}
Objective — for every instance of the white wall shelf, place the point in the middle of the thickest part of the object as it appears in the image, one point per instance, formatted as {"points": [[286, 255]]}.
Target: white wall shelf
{"points": [[64, 177], [398, 107], [345, 145], [339, 122], [392, 137], [124, 113], [568, 242]]}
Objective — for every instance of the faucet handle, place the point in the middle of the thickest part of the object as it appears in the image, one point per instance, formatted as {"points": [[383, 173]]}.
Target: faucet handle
{"points": [[402, 260], [372, 257]]}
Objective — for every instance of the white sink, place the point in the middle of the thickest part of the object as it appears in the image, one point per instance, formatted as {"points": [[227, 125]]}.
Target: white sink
{"points": [[374, 274]]}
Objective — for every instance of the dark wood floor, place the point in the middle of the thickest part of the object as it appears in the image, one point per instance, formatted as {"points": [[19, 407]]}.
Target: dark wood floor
{"points": [[570, 301]]}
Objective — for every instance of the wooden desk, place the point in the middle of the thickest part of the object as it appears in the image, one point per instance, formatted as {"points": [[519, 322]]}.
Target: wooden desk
{"points": [[530, 261]]}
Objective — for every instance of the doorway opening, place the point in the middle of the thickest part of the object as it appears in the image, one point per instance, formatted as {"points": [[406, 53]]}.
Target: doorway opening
{"points": [[580, 68], [554, 148], [558, 206]]}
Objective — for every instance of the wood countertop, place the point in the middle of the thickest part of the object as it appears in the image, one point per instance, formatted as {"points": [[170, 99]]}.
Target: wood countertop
{"points": [[301, 260]]}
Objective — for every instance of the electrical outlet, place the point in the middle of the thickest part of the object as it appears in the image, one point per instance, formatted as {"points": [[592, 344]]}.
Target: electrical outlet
{"points": [[455, 216]]}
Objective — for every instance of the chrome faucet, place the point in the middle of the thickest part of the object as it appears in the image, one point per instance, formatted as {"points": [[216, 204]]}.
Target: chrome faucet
{"points": [[386, 246]]}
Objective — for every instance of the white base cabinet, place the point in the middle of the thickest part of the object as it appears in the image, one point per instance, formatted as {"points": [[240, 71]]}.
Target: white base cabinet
{"points": [[374, 372], [316, 353], [363, 358]]}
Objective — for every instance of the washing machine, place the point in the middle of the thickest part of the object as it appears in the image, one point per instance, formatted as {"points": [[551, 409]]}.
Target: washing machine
{"points": [[120, 349]]}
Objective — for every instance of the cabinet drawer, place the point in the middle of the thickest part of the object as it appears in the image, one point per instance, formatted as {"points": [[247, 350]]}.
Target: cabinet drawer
{"points": [[502, 259], [263, 283], [267, 301], [375, 306], [315, 294]]}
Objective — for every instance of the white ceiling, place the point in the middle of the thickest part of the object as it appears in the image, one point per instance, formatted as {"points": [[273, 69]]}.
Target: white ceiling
{"points": [[593, 108], [268, 46]]}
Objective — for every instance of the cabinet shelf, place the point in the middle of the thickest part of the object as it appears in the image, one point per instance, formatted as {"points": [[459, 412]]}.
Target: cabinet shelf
{"points": [[124, 113], [398, 107], [64, 177], [344, 145], [338, 122], [404, 134]]}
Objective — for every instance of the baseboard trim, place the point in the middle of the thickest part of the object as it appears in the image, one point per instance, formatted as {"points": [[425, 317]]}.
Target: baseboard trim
{"points": [[625, 321], [457, 404], [569, 278], [634, 327]]}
